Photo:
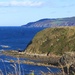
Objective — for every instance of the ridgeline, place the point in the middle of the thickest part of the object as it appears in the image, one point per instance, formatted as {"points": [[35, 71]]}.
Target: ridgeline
{"points": [[69, 21]]}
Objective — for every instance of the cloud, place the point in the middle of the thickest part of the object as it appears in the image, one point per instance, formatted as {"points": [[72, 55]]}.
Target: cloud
{"points": [[21, 3]]}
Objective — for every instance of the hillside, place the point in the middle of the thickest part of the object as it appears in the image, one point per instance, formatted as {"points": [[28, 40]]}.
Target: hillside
{"points": [[53, 40], [52, 22]]}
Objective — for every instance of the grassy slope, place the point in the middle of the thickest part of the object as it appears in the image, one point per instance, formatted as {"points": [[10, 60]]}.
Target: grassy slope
{"points": [[53, 40]]}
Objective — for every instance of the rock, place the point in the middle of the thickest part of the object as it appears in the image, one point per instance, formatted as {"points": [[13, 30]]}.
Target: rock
{"points": [[68, 62]]}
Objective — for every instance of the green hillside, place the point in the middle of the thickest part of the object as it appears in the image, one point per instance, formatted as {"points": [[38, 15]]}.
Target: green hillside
{"points": [[53, 40]]}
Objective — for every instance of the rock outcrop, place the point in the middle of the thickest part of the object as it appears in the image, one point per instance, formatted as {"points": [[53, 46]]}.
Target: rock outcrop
{"points": [[68, 62]]}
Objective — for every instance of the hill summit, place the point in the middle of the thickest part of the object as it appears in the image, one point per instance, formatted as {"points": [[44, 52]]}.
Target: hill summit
{"points": [[53, 40]]}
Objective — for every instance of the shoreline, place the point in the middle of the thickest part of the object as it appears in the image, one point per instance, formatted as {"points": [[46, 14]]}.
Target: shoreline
{"points": [[35, 59]]}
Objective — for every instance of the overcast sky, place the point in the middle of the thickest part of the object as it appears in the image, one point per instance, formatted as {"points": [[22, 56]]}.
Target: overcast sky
{"points": [[19, 12]]}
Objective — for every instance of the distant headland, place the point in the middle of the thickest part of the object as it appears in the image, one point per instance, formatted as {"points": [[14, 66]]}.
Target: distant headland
{"points": [[69, 21]]}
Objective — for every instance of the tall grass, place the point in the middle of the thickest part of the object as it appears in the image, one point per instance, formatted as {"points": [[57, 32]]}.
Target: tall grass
{"points": [[4, 66], [1, 73], [19, 70]]}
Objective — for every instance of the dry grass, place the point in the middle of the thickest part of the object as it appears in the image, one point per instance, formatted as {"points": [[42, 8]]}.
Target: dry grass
{"points": [[18, 70]]}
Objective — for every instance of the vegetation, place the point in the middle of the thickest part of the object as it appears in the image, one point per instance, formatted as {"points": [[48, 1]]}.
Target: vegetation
{"points": [[50, 41], [70, 21], [53, 40], [19, 70]]}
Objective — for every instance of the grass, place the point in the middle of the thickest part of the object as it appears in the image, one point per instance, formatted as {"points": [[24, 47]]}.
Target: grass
{"points": [[19, 70], [54, 40], [16, 69]]}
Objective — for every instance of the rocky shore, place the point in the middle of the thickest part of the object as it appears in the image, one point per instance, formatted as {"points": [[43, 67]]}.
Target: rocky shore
{"points": [[35, 59], [66, 62]]}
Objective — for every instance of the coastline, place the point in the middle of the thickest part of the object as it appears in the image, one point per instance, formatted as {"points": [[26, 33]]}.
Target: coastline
{"points": [[35, 59]]}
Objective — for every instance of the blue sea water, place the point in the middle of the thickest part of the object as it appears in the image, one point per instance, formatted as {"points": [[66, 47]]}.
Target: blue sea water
{"points": [[17, 38]]}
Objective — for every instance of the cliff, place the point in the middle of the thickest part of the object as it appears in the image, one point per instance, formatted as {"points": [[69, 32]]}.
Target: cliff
{"points": [[53, 41], [70, 21]]}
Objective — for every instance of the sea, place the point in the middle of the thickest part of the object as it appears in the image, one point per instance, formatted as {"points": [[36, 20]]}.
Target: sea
{"points": [[17, 38]]}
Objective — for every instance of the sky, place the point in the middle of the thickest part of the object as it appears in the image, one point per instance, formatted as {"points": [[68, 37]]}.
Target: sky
{"points": [[20, 12]]}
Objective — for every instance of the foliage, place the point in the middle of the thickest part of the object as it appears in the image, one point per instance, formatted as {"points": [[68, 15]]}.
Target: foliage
{"points": [[53, 40]]}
